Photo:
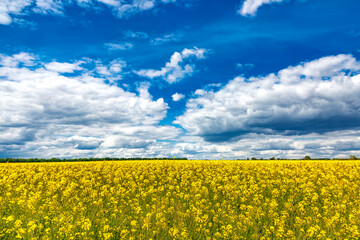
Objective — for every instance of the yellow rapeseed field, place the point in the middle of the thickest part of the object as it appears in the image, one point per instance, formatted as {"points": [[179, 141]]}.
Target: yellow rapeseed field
{"points": [[180, 200]]}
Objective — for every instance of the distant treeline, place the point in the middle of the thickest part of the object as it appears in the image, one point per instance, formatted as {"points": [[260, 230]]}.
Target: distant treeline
{"points": [[4, 160], [15, 160]]}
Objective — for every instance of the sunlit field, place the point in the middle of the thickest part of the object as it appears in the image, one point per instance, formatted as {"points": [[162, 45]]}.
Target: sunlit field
{"points": [[180, 200]]}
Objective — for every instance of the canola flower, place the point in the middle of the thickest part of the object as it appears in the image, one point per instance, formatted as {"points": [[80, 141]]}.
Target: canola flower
{"points": [[180, 200]]}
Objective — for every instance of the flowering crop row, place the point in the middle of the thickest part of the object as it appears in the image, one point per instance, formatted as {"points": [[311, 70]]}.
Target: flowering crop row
{"points": [[180, 200]]}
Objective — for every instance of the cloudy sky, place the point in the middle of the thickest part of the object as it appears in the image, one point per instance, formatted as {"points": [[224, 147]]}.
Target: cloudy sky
{"points": [[201, 79]]}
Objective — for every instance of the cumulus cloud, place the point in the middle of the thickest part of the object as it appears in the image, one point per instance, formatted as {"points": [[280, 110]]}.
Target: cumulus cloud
{"points": [[46, 113], [314, 97], [177, 97], [112, 71], [119, 46], [64, 67], [15, 60], [50, 113], [122, 9], [249, 7], [176, 69], [329, 145]]}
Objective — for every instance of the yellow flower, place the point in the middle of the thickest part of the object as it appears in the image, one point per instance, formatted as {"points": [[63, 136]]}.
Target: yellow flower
{"points": [[86, 225], [10, 218], [133, 223]]}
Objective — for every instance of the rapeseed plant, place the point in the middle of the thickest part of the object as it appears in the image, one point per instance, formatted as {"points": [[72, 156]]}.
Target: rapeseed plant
{"points": [[180, 200]]}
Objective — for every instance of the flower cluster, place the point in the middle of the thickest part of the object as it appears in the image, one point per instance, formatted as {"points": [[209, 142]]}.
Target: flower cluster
{"points": [[180, 200]]}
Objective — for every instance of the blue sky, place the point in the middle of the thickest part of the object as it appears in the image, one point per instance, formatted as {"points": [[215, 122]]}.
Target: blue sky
{"points": [[164, 78]]}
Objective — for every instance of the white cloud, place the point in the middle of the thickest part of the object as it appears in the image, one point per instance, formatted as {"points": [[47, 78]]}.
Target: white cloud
{"points": [[249, 7], [165, 39], [176, 69], [119, 46], [112, 71], [49, 6], [200, 92], [9, 7], [122, 9], [328, 145], [28, 93], [113, 3], [131, 7], [64, 67], [318, 96], [177, 97], [47, 114], [15, 60], [128, 9]]}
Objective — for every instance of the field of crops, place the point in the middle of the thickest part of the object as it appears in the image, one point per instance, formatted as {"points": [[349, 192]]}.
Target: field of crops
{"points": [[180, 200]]}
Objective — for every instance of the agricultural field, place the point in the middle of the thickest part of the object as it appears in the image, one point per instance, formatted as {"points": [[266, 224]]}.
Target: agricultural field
{"points": [[180, 200]]}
